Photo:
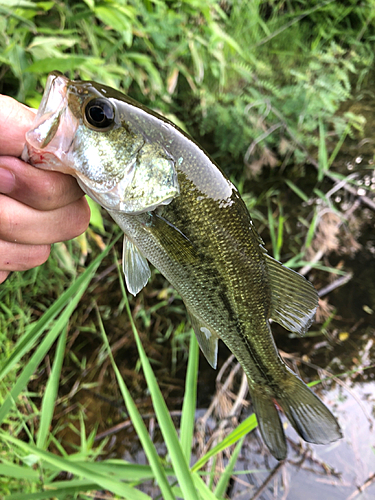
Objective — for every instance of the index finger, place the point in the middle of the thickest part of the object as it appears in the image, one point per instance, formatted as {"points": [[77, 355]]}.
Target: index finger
{"points": [[15, 120]]}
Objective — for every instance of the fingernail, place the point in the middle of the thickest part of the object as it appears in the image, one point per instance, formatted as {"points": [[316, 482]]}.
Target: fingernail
{"points": [[7, 181]]}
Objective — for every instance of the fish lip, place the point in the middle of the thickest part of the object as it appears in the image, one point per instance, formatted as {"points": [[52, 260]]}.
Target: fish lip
{"points": [[46, 142], [56, 85]]}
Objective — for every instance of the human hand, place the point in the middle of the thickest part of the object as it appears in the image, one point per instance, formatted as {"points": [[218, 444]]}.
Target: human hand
{"points": [[37, 207]]}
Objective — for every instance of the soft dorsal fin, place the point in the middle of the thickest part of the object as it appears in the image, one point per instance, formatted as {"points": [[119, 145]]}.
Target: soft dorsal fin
{"points": [[135, 266], [294, 300], [207, 338]]}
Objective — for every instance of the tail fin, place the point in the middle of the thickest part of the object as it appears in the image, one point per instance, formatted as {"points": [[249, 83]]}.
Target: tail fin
{"points": [[306, 412]]}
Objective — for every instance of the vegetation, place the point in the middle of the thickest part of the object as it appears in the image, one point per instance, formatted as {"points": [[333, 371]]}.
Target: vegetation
{"points": [[259, 85]]}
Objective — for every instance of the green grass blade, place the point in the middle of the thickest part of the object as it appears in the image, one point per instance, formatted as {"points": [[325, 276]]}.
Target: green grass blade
{"points": [[124, 470], [71, 300], [312, 229], [297, 190], [139, 425], [166, 424], [202, 488], [280, 233], [223, 482], [18, 471], [190, 400], [39, 354], [27, 341], [62, 490], [271, 225], [241, 430], [339, 144], [322, 153], [63, 464], [50, 394]]}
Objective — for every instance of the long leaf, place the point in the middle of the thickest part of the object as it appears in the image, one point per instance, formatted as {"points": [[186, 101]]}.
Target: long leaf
{"points": [[223, 482], [26, 343], [190, 400], [165, 421], [71, 300], [38, 356], [80, 470], [139, 425], [241, 430], [50, 394]]}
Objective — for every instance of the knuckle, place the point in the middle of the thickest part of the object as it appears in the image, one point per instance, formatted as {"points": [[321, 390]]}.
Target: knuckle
{"points": [[33, 256], [50, 191], [80, 217], [56, 190], [8, 223], [18, 257]]}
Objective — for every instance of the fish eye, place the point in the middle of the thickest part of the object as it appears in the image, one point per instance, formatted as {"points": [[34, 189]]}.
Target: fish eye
{"points": [[99, 113]]}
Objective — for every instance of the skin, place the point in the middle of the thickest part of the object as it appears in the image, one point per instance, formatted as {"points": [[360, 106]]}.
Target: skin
{"points": [[37, 207]]}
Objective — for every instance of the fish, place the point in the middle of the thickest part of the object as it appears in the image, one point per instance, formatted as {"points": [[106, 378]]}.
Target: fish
{"points": [[179, 212]]}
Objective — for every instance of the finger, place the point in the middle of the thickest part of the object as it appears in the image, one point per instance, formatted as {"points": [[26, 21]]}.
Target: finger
{"points": [[16, 120], [22, 224], [17, 257], [3, 276], [40, 189]]}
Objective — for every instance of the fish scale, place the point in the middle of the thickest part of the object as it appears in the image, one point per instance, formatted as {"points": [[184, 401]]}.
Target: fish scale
{"points": [[179, 212]]}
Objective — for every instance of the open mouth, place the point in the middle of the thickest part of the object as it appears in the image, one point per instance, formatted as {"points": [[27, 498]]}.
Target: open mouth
{"points": [[49, 140]]}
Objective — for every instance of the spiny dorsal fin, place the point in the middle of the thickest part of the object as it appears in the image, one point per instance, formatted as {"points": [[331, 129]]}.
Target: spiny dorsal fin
{"points": [[294, 300], [207, 339], [135, 266]]}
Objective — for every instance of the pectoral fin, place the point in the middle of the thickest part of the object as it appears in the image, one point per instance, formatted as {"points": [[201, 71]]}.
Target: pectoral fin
{"points": [[136, 269], [207, 339], [294, 300]]}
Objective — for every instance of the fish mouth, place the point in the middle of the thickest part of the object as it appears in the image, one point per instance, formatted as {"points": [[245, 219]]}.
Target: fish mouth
{"points": [[50, 138]]}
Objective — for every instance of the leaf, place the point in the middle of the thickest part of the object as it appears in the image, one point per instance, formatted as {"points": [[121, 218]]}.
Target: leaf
{"points": [[322, 153], [53, 41], [241, 430], [116, 19], [46, 6], [50, 393], [26, 342], [17, 3], [63, 64], [80, 470], [223, 482], [167, 428], [138, 423], [297, 190], [18, 471], [190, 399]]}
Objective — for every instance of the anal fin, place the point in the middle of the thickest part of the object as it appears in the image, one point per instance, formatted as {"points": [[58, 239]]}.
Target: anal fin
{"points": [[207, 338], [135, 266], [269, 423]]}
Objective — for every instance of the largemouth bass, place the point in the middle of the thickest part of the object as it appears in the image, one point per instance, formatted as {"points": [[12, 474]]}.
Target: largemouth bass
{"points": [[179, 212]]}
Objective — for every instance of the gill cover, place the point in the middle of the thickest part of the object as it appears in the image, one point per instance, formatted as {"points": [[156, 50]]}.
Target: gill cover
{"points": [[94, 133]]}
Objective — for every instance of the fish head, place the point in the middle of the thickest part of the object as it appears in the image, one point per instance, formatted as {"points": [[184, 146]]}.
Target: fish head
{"points": [[100, 137]]}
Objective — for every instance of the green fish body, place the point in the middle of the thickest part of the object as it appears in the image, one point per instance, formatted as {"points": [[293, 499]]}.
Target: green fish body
{"points": [[179, 212]]}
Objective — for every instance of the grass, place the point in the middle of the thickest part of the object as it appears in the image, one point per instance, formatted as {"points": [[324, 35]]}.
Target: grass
{"points": [[67, 326], [42, 468]]}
